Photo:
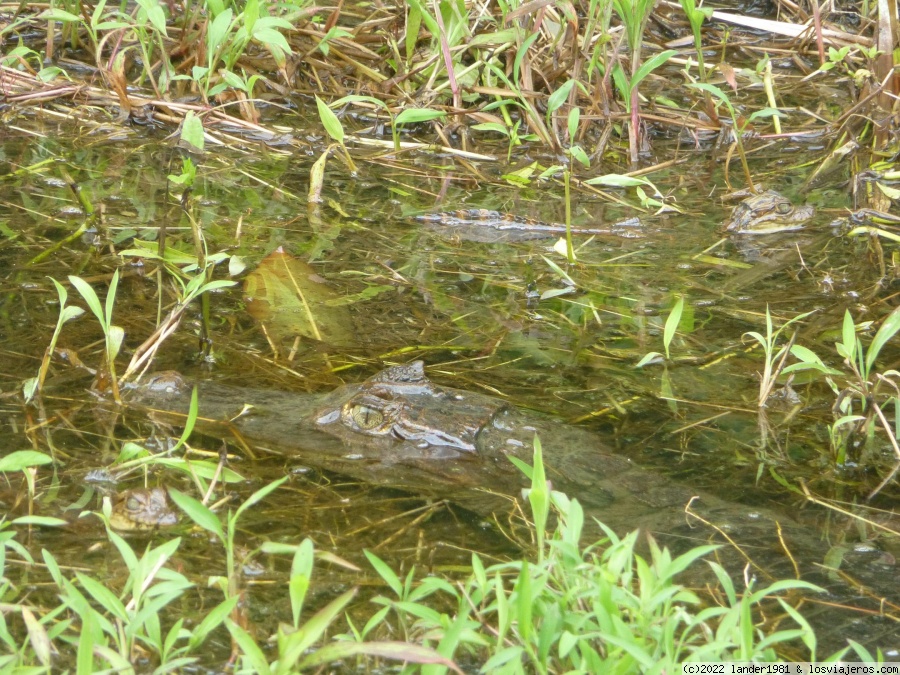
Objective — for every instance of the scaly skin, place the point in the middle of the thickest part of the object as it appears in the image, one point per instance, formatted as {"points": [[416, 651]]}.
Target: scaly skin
{"points": [[141, 509], [768, 213]]}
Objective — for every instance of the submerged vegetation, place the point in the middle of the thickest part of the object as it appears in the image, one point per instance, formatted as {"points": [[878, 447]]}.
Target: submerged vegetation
{"points": [[156, 154]]}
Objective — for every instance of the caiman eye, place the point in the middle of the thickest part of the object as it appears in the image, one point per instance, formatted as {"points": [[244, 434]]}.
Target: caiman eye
{"points": [[784, 208], [366, 418], [133, 504]]}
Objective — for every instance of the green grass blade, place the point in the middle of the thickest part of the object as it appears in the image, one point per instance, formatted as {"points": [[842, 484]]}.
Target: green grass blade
{"points": [[199, 513], [888, 329], [672, 323]]}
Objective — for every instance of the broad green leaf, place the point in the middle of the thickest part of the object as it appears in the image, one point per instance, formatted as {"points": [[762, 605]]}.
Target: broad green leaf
{"points": [[69, 313], [580, 156], [414, 115], [90, 297], [192, 131], [848, 333], [58, 15], [61, 292], [572, 123], [217, 30], [765, 113], [672, 323], [270, 36], [558, 97], [116, 337], [330, 121], [29, 388], [155, 14], [650, 65], [616, 180], [715, 91], [886, 331], [23, 459]]}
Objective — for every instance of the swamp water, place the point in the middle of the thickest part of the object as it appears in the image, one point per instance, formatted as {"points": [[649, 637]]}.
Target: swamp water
{"points": [[510, 319]]}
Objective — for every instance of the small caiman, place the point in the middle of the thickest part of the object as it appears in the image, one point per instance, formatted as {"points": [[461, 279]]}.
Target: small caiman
{"points": [[487, 226]]}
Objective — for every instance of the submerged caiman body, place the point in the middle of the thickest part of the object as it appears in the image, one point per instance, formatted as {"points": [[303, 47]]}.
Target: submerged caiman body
{"points": [[401, 430], [487, 226]]}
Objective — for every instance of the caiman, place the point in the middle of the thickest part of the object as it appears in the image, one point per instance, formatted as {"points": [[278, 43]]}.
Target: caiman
{"points": [[142, 509], [399, 429], [487, 226], [768, 213]]}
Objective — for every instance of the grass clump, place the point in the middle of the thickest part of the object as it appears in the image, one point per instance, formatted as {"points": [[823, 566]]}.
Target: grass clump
{"points": [[605, 607], [598, 608]]}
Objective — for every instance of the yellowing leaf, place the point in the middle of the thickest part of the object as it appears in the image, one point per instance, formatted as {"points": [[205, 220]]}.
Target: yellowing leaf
{"points": [[288, 297]]}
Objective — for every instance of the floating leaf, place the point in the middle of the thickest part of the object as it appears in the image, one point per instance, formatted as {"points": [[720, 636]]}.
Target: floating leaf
{"points": [[291, 299]]}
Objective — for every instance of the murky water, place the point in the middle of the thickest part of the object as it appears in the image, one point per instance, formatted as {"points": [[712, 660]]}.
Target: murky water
{"points": [[511, 319]]}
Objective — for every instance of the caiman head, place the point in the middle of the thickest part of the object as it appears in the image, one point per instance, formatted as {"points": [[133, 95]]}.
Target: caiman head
{"points": [[409, 413]]}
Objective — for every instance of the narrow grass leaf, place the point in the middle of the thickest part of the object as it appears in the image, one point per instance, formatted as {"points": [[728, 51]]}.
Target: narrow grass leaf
{"points": [[212, 621], [87, 641], [650, 65], [103, 596], [40, 521], [539, 497], [415, 115], [249, 649], [259, 495], [386, 573], [888, 329], [501, 658], [197, 512], [559, 271], [848, 334], [521, 466], [90, 297], [292, 647], [649, 357], [301, 571], [37, 636], [398, 651]]}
